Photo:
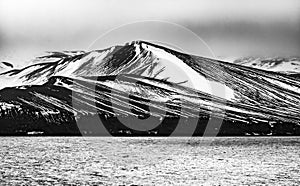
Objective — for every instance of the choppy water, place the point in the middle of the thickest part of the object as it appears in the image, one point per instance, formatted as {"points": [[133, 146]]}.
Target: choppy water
{"points": [[149, 161]]}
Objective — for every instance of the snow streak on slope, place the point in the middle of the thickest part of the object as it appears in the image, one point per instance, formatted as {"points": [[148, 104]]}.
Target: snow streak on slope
{"points": [[112, 97]]}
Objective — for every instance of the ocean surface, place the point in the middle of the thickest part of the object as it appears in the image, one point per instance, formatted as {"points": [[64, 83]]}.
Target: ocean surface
{"points": [[149, 161]]}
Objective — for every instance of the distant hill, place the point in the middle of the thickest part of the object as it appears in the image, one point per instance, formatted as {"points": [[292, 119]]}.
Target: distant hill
{"points": [[287, 65]]}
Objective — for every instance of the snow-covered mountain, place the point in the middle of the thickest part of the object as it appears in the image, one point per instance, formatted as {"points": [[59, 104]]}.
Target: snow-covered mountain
{"points": [[289, 65], [142, 80]]}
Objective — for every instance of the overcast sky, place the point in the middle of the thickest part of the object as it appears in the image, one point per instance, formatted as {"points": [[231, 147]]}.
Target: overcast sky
{"points": [[230, 27]]}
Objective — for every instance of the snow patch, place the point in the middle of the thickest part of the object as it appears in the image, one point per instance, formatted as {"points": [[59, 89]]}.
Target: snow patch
{"points": [[178, 71]]}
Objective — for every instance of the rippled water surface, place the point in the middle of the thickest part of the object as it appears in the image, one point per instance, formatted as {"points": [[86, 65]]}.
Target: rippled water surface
{"points": [[149, 161]]}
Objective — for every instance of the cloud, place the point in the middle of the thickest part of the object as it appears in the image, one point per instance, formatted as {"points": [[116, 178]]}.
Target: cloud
{"points": [[72, 24]]}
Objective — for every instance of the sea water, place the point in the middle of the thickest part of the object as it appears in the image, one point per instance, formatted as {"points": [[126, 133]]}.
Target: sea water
{"points": [[149, 161]]}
